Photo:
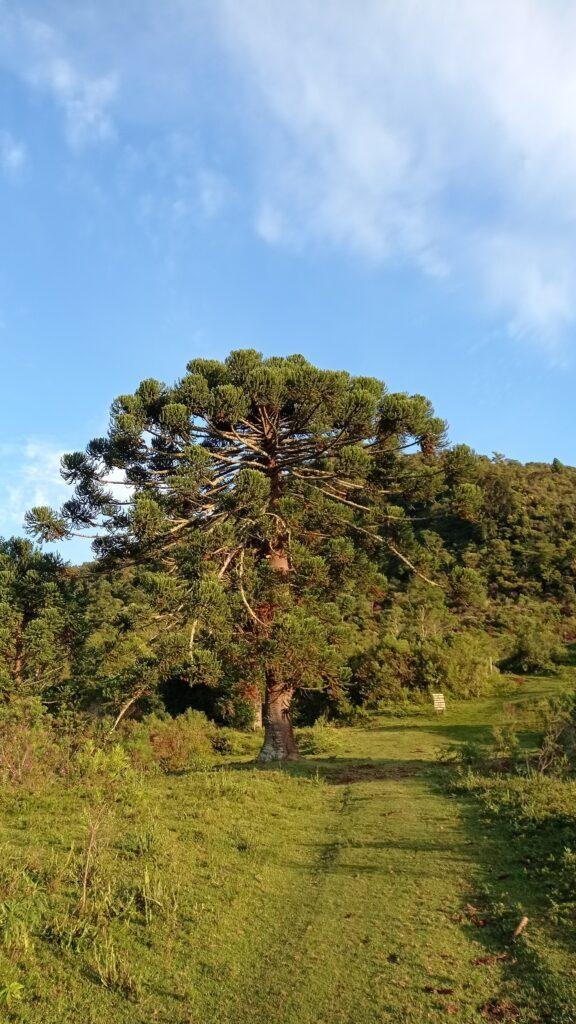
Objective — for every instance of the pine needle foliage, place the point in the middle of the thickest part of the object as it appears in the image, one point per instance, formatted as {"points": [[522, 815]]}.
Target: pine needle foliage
{"points": [[235, 490]]}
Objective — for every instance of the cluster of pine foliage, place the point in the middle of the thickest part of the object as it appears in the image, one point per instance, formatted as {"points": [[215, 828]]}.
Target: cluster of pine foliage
{"points": [[269, 533]]}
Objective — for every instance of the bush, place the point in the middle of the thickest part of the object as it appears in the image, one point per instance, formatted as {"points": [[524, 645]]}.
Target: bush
{"points": [[562, 868], [536, 648], [35, 748], [181, 744], [412, 706], [459, 663], [235, 743], [550, 723], [29, 750], [400, 669], [318, 739], [530, 792], [557, 751], [350, 714], [104, 766], [236, 711]]}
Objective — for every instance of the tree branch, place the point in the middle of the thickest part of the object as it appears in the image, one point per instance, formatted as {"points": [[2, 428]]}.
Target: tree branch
{"points": [[245, 601]]}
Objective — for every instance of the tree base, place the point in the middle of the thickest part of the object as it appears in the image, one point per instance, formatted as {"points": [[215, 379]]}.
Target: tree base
{"points": [[279, 742], [267, 755]]}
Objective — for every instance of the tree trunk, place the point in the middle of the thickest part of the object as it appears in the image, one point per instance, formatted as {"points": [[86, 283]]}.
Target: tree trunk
{"points": [[279, 742]]}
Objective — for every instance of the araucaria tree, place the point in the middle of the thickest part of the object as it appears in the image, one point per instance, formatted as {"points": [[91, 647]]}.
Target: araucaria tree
{"points": [[247, 491]]}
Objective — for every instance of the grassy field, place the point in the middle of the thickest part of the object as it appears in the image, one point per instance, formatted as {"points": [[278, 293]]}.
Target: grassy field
{"points": [[351, 889]]}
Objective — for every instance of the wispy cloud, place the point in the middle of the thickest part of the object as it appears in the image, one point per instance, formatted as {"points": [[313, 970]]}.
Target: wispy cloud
{"points": [[213, 190], [438, 134], [29, 475], [12, 154], [38, 53], [86, 102]]}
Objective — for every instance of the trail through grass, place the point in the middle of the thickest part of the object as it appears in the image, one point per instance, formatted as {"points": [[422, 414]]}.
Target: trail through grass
{"points": [[354, 889]]}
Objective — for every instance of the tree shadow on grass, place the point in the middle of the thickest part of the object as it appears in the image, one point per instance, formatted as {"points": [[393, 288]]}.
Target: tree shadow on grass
{"points": [[507, 889], [350, 769], [528, 989], [506, 886], [340, 771], [447, 849], [364, 769], [469, 733]]}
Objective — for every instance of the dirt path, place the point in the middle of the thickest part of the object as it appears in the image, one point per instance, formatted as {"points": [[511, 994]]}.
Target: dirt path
{"points": [[376, 921]]}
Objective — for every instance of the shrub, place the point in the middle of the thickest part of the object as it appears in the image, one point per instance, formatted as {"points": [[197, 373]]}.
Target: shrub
{"points": [[235, 743], [535, 650], [346, 713], [553, 753], [181, 744], [29, 753], [319, 739], [397, 669], [557, 751], [236, 711], [113, 973], [104, 765], [10, 993], [413, 705], [562, 876]]}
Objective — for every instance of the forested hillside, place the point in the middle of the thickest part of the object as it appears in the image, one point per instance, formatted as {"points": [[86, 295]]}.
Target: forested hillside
{"points": [[269, 532]]}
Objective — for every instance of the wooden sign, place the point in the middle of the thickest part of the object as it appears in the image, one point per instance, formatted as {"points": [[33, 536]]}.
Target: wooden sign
{"points": [[439, 702]]}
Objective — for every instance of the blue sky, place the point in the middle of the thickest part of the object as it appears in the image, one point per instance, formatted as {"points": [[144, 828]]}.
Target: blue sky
{"points": [[386, 187]]}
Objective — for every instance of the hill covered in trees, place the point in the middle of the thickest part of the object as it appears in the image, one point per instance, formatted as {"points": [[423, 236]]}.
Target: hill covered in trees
{"points": [[270, 533]]}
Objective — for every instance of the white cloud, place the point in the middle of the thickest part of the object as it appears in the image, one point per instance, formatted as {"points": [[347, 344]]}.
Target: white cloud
{"points": [[213, 192], [38, 53], [30, 475], [270, 225], [12, 154], [433, 134], [85, 101], [437, 133], [175, 189], [532, 278]]}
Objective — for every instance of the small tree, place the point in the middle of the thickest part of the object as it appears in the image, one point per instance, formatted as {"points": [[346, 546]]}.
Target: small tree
{"points": [[234, 474], [35, 627]]}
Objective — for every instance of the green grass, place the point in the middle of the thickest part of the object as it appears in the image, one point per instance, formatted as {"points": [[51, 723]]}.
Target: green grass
{"points": [[351, 889]]}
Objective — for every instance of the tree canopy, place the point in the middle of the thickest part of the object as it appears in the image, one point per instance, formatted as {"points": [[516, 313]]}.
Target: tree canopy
{"points": [[230, 478], [266, 531]]}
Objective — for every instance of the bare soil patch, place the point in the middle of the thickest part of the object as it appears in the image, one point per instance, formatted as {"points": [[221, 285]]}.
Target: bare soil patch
{"points": [[373, 773]]}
